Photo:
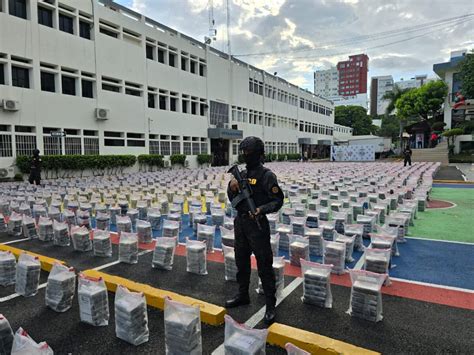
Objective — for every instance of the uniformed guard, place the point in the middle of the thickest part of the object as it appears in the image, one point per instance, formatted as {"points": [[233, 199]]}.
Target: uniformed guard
{"points": [[35, 168], [252, 231]]}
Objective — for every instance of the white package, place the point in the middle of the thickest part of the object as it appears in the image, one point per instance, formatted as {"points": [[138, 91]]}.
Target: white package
{"points": [[227, 236], [206, 234], [15, 225], [23, 344], [242, 340], [182, 328], [124, 224], [294, 350], [377, 261], [275, 243], [6, 336], [349, 243], [60, 288], [356, 230], [316, 241], [81, 240], [128, 248], [7, 268], [230, 266], [297, 225], [93, 301], [299, 249], [29, 227], [283, 230], [170, 229], [101, 243], [279, 272], [102, 221], [154, 217], [316, 284], [196, 261], [45, 229], [27, 275], [144, 232], [335, 253], [163, 255], [131, 318], [366, 295], [61, 234]]}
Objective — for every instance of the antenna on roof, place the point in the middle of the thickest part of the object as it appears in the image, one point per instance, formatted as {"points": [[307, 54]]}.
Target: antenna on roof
{"points": [[212, 24]]}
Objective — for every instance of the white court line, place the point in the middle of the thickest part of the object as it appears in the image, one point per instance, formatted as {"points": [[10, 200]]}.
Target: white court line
{"points": [[15, 241], [441, 241], [360, 262], [101, 267], [15, 295], [259, 315], [433, 285]]}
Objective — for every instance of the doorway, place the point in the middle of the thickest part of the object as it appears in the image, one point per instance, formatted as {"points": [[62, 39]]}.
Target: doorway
{"points": [[220, 152]]}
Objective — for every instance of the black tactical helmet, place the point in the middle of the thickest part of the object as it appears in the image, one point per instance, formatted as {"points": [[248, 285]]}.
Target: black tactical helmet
{"points": [[252, 144]]}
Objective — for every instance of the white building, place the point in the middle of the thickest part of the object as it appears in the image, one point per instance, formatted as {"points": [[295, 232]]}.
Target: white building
{"points": [[354, 100], [117, 82], [379, 86], [415, 82], [326, 82]]}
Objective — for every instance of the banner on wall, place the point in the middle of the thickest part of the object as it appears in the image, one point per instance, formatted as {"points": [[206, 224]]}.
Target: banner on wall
{"points": [[353, 152]]}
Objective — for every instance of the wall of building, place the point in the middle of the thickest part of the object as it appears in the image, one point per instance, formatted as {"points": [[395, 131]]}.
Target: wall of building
{"points": [[280, 112]]}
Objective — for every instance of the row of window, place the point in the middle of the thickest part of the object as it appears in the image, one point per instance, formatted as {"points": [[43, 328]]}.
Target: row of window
{"points": [[342, 129], [271, 147], [175, 102], [168, 55], [315, 128], [243, 115]]}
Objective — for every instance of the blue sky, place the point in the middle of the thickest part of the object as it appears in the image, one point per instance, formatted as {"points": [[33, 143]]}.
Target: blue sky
{"points": [[300, 36]]}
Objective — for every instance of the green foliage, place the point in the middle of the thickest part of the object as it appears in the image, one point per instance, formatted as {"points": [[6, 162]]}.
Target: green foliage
{"points": [[18, 177], [462, 158], [270, 157], [355, 117], [77, 162], [151, 160], [293, 156], [204, 159], [390, 127], [422, 103], [438, 126], [392, 97], [281, 157], [451, 134], [178, 159], [467, 126], [467, 76]]}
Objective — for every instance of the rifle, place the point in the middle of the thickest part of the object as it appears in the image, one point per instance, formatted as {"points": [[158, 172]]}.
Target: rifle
{"points": [[244, 194]]}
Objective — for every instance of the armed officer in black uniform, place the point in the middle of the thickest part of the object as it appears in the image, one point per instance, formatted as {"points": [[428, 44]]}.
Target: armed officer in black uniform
{"points": [[252, 232]]}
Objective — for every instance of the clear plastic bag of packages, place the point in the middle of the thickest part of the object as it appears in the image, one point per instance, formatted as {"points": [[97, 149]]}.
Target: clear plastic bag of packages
{"points": [[243, 340], [102, 221], [284, 230], [29, 227], [297, 225], [299, 249], [7, 268], [275, 243], [61, 234], [316, 241], [124, 224], [227, 236], [279, 271], [28, 272], [93, 301], [230, 266], [163, 254], [196, 257], [101, 243], [171, 229], [356, 230], [131, 317], [128, 248], [366, 295], [23, 344], [144, 232], [206, 234], [60, 288], [154, 217], [294, 350], [378, 261], [316, 284], [182, 328], [335, 254], [81, 240], [45, 229], [349, 243], [15, 225], [6, 336]]}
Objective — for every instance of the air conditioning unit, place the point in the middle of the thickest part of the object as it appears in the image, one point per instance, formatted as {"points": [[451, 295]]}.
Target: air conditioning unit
{"points": [[11, 105], [102, 113], [6, 173]]}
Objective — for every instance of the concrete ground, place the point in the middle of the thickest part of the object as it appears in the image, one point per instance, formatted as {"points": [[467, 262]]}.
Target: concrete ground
{"points": [[466, 169]]}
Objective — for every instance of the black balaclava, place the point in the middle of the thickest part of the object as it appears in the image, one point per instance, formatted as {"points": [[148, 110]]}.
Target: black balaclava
{"points": [[252, 149], [36, 153]]}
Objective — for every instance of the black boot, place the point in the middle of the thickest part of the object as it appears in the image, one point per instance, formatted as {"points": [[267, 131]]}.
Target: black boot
{"points": [[239, 300], [270, 315]]}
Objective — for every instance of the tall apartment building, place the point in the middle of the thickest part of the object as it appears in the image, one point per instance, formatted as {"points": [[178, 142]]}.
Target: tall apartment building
{"points": [[415, 82], [115, 81], [326, 82], [353, 75], [379, 86]]}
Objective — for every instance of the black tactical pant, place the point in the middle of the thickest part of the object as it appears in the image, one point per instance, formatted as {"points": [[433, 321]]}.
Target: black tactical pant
{"points": [[249, 239], [407, 160]]}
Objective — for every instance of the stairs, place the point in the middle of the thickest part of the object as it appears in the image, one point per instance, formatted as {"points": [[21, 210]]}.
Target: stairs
{"points": [[437, 154]]}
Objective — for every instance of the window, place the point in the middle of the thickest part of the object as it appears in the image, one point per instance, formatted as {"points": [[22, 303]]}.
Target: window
{"points": [[109, 142], [151, 100], [161, 55], [109, 87], [6, 145], [2, 74], [202, 69], [135, 143], [187, 148], [72, 146], [25, 144], [185, 105], [184, 63], [172, 59], [193, 108], [108, 33], [202, 109], [165, 148], [204, 147], [87, 89], [163, 102], [91, 146], [84, 30], [69, 85], [193, 67], [17, 8], [149, 52], [219, 113], [173, 103], [45, 16], [132, 92], [52, 145], [195, 148], [175, 147], [66, 24], [20, 77], [154, 147], [47, 82]]}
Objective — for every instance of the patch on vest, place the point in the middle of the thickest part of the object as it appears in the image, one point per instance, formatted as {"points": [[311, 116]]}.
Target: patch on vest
{"points": [[252, 181], [275, 189]]}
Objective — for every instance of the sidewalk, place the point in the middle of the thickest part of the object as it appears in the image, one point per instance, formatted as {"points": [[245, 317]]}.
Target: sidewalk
{"points": [[466, 169]]}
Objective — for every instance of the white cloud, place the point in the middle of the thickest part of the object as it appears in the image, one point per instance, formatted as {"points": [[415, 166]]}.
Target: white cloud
{"points": [[289, 35]]}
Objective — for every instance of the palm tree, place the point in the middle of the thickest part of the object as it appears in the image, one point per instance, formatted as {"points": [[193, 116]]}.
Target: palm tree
{"points": [[393, 96]]}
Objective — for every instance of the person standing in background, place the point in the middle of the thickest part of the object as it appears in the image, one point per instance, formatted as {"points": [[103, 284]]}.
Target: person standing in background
{"points": [[35, 168], [407, 156]]}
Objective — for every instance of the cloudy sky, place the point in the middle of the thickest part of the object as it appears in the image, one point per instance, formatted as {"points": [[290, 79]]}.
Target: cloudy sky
{"points": [[401, 37]]}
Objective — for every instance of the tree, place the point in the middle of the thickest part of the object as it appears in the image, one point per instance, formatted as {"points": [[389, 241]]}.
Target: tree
{"points": [[355, 117], [451, 135], [390, 127], [392, 97], [467, 76]]}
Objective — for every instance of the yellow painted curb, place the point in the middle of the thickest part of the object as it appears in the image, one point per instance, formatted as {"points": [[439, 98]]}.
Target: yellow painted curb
{"points": [[46, 262], [155, 297], [453, 182], [280, 334]]}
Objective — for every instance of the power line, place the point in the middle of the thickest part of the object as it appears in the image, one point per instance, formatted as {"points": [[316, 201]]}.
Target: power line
{"points": [[370, 37]]}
